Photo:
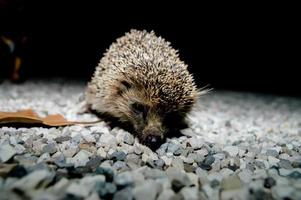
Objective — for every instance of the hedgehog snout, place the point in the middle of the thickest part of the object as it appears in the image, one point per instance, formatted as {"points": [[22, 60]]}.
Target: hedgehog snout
{"points": [[153, 138], [153, 141]]}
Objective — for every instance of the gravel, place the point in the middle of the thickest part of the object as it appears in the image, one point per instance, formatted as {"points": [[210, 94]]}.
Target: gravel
{"points": [[238, 146], [6, 152]]}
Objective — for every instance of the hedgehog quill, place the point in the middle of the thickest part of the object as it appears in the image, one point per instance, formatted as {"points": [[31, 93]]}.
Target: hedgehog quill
{"points": [[141, 83]]}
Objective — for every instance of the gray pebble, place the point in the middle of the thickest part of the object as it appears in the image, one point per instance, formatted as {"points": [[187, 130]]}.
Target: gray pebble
{"points": [[76, 140], [231, 182], [196, 157], [216, 166], [94, 162], [228, 124], [296, 164], [38, 166], [26, 159], [61, 139], [166, 194], [124, 179], [61, 172], [178, 178], [117, 155], [272, 152], [245, 176], [6, 152], [120, 166], [107, 139], [162, 149], [77, 190], [107, 172], [282, 191], [231, 150], [84, 187], [49, 148], [259, 164], [158, 164], [177, 185], [285, 164], [13, 140], [186, 151], [167, 160], [70, 152], [19, 149], [219, 156], [107, 164], [154, 174], [295, 175], [146, 191], [133, 158], [178, 163], [124, 194], [209, 160], [178, 152], [111, 188], [44, 158], [40, 178], [206, 164], [106, 189], [239, 193], [189, 168], [225, 172], [269, 182], [196, 143], [251, 166], [203, 152], [172, 147], [214, 183], [273, 161], [190, 193], [234, 164], [80, 159], [128, 138]]}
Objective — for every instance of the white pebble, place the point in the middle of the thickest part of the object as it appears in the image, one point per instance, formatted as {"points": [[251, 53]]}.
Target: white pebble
{"points": [[232, 150]]}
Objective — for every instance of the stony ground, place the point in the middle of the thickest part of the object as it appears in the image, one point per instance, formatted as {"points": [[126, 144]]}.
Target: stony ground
{"points": [[239, 146]]}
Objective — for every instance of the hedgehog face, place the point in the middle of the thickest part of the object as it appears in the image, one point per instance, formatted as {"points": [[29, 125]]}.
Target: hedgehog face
{"points": [[152, 119], [153, 123], [148, 124]]}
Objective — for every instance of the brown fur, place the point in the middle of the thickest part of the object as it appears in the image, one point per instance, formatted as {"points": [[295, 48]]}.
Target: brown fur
{"points": [[141, 81]]}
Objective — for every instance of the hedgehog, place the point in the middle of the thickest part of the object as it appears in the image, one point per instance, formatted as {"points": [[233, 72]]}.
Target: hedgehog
{"points": [[141, 83]]}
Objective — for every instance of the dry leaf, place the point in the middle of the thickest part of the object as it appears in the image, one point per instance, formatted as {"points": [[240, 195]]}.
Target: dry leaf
{"points": [[29, 117]]}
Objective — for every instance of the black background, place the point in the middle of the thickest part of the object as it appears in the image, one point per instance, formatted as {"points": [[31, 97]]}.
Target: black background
{"points": [[237, 47]]}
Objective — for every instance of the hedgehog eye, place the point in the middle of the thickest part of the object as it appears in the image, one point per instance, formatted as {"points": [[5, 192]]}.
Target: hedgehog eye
{"points": [[126, 84], [138, 107]]}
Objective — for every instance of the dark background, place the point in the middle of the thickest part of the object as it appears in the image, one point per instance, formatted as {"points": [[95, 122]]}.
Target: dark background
{"points": [[236, 47]]}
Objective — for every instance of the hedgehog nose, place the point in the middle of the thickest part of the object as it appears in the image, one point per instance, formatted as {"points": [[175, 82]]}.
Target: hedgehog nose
{"points": [[153, 138], [153, 141]]}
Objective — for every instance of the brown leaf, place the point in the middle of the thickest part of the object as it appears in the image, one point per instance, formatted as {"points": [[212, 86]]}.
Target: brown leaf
{"points": [[56, 120], [29, 117]]}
